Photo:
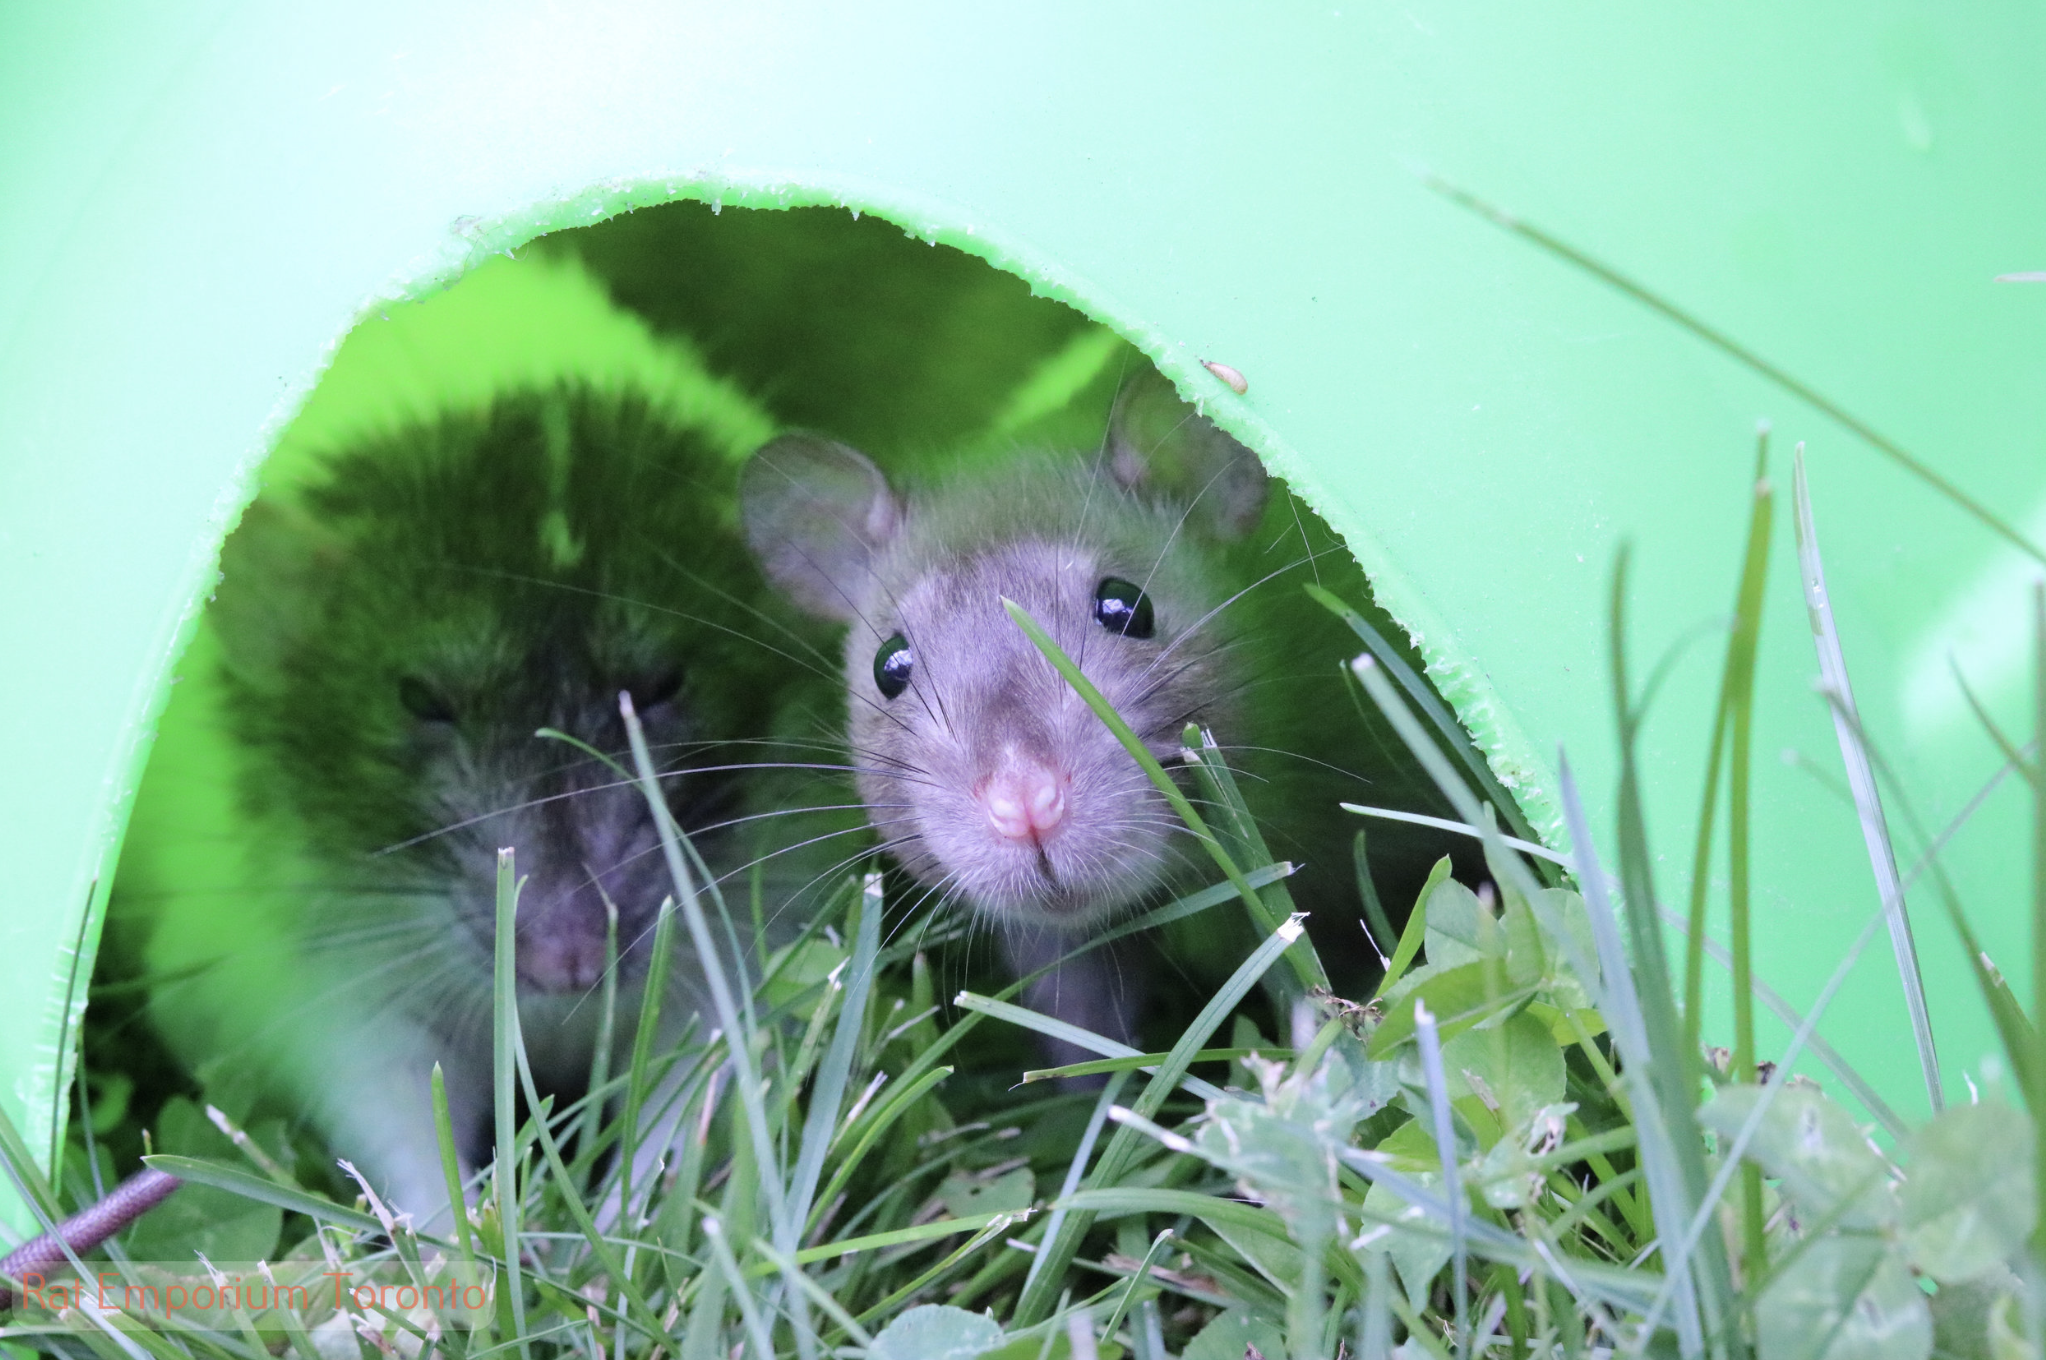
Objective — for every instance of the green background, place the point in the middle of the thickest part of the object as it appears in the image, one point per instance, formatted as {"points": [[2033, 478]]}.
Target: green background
{"points": [[199, 203]]}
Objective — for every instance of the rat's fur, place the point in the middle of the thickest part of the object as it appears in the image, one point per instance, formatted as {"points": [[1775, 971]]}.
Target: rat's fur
{"points": [[391, 644], [935, 565]]}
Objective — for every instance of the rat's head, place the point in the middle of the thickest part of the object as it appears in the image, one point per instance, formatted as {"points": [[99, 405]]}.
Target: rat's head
{"points": [[397, 642], [988, 777]]}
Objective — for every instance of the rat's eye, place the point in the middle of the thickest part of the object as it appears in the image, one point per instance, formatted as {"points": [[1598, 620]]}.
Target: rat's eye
{"points": [[423, 702], [1120, 607], [892, 666], [657, 691]]}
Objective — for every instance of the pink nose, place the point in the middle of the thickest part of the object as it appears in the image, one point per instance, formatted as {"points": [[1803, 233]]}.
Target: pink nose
{"points": [[1024, 800]]}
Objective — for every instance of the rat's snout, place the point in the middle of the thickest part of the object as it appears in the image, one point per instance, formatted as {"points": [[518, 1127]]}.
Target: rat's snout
{"points": [[561, 961], [1024, 798]]}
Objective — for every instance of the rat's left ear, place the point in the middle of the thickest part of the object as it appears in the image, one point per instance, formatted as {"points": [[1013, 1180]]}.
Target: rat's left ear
{"points": [[1158, 445]]}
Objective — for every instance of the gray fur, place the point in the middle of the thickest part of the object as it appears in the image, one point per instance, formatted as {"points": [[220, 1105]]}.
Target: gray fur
{"points": [[935, 564]]}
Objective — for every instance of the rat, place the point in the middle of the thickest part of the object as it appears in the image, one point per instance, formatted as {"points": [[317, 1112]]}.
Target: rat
{"points": [[983, 773], [391, 644]]}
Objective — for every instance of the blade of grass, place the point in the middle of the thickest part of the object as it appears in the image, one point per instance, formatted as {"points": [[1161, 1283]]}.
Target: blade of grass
{"points": [[1417, 929], [1731, 1158], [1452, 1182], [1237, 827], [827, 1091], [749, 1307], [904, 1099], [1374, 1326], [2020, 1039], [1377, 925], [1740, 705], [1673, 1078], [999, 1223], [505, 1046], [638, 1082], [1139, 1061], [1533, 848], [1080, 1038], [821, 1128], [1738, 352], [1431, 705], [1370, 675], [815, 1292], [1708, 805], [675, 1224], [897, 1237], [1136, 1282], [1075, 1170], [738, 1036], [922, 1070], [1661, 1162], [451, 1165], [1868, 800], [1631, 1289], [34, 1189], [2039, 902], [1304, 964], [1058, 1248], [565, 1189], [265, 1191], [607, 1029]]}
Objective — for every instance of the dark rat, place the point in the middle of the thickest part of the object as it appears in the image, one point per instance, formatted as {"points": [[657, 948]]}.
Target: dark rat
{"points": [[987, 777], [390, 646]]}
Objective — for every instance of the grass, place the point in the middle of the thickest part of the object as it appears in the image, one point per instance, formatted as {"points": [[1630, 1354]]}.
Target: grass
{"points": [[1515, 1146]]}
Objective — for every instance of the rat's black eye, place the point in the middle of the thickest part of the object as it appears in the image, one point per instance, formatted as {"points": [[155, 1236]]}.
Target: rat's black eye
{"points": [[892, 665], [424, 702], [656, 691], [1120, 607]]}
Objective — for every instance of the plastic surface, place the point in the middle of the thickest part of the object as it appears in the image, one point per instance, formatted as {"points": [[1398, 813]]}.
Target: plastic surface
{"points": [[200, 203]]}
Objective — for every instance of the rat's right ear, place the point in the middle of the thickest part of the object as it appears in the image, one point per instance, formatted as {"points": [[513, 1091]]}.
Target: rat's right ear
{"points": [[816, 513]]}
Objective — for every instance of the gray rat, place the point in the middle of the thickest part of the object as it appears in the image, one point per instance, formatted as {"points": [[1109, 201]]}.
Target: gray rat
{"points": [[987, 777], [390, 646]]}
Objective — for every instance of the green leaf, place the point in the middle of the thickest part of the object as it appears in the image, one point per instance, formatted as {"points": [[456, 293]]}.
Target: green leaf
{"points": [[2007, 1339], [1512, 1175], [1527, 962], [935, 1332], [1515, 1068], [1458, 930], [1231, 1335], [1960, 1315], [1418, 1256], [1275, 1258], [1459, 998], [966, 1194], [1968, 1201], [1411, 1149], [1283, 1149], [1814, 1148], [205, 1219], [1052, 1342], [1416, 929], [797, 968], [1565, 925], [1844, 1298]]}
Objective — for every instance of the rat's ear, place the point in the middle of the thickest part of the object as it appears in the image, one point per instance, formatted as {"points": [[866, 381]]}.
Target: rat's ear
{"points": [[269, 567], [816, 512], [1159, 445]]}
